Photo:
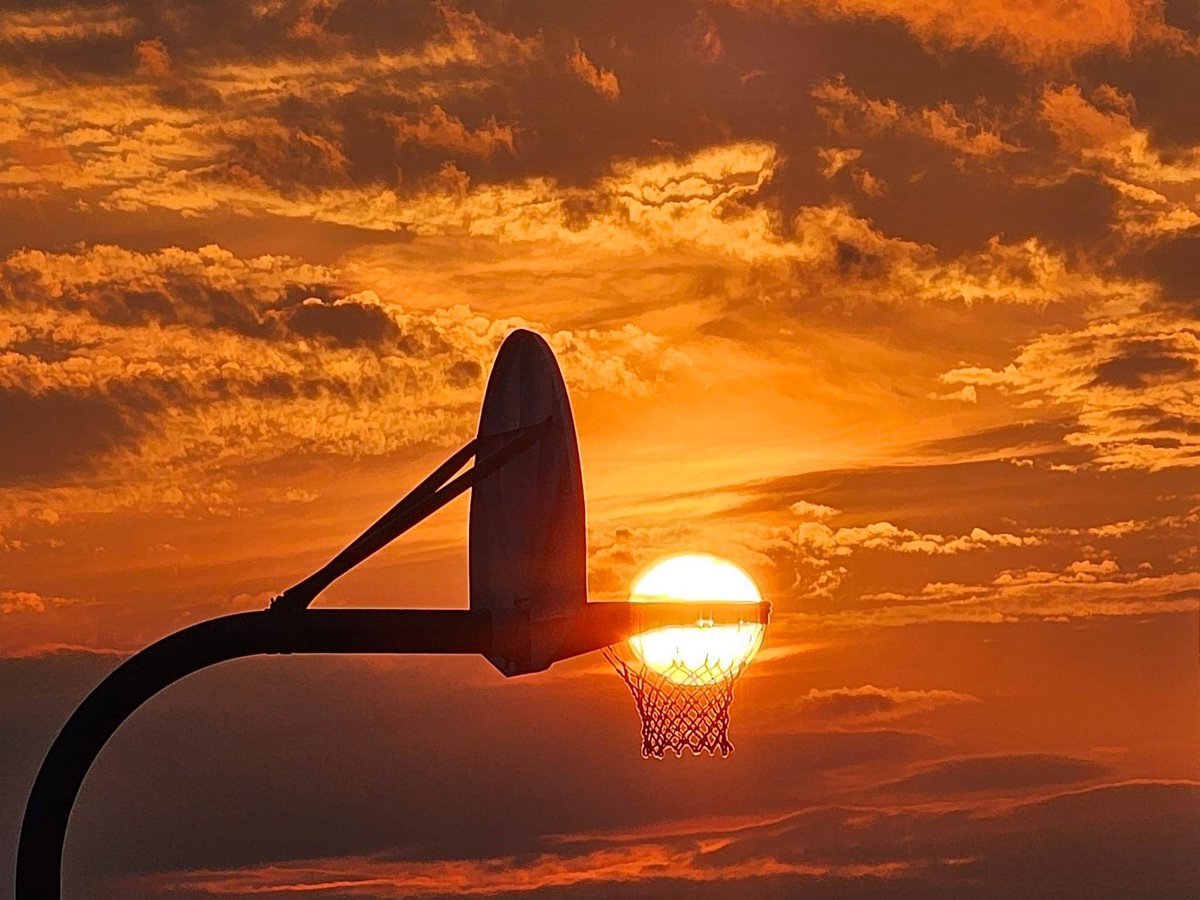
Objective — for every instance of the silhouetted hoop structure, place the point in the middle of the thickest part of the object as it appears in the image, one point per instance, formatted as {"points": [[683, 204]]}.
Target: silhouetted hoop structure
{"points": [[528, 598]]}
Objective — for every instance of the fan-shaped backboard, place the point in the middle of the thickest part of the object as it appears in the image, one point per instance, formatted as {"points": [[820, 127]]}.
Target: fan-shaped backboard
{"points": [[528, 533]]}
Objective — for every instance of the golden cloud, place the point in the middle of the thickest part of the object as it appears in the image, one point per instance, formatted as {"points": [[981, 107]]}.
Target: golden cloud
{"points": [[602, 81], [1081, 590], [1158, 194], [851, 114], [1132, 384], [194, 362], [1032, 34], [30, 602], [65, 23], [438, 129], [177, 126]]}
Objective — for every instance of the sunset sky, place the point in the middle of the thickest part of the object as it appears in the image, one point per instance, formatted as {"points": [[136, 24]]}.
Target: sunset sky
{"points": [[895, 303]]}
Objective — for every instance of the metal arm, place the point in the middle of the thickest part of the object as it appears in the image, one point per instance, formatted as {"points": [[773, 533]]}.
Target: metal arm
{"points": [[419, 504], [486, 632], [43, 831]]}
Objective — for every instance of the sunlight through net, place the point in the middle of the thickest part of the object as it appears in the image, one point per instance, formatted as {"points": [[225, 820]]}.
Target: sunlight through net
{"points": [[682, 676], [681, 709]]}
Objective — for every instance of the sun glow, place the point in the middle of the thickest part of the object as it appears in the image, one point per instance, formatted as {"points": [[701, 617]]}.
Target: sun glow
{"points": [[705, 651]]}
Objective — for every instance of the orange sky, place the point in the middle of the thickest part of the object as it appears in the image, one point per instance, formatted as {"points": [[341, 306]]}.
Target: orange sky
{"points": [[896, 304]]}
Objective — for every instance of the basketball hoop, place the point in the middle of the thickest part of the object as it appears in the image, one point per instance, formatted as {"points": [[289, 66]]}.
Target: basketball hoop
{"points": [[682, 675], [691, 627], [677, 715]]}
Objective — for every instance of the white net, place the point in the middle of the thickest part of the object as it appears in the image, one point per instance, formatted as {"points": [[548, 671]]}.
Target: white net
{"points": [[681, 708]]}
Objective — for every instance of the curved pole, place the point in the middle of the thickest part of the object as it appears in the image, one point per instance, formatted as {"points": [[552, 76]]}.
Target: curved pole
{"points": [[508, 634], [43, 831]]}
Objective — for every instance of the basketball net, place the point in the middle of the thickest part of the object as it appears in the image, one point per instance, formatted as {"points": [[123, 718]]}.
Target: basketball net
{"points": [[681, 708]]}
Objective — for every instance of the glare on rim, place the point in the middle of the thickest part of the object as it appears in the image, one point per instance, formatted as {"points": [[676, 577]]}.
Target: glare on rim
{"points": [[704, 651]]}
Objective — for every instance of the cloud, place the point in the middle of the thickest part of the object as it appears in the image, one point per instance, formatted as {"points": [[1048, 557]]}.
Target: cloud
{"points": [[602, 81], [807, 562], [1101, 131], [502, 876], [161, 364], [823, 540], [21, 601], [999, 773], [218, 130], [53, 649], [65, 23], [439, 130], [288, 141], [154, 60], [873, 704], [353, 321], [850, 114], [61, 431], [435, 160], [879, 574], [1157, 191], [965, 394], [820, 554], [840, 255], [29, 601], [1081, 590], [641, 205], [976, 844], [1034, 36], [803, 509], [1131, 384], [706, 43], [1173, 260]]}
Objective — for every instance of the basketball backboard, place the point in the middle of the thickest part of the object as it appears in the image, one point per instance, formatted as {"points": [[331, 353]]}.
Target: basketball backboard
{"points": [[528, 532]]}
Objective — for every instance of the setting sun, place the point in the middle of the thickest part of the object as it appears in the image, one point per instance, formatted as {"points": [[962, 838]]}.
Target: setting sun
{"points": [[706, 650]]}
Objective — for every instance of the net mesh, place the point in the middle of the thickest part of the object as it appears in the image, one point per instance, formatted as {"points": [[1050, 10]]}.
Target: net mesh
{"points": [[682, 708]]}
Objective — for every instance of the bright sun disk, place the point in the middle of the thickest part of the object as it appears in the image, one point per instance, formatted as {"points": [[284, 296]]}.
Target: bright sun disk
{"points": [[705, 651]]}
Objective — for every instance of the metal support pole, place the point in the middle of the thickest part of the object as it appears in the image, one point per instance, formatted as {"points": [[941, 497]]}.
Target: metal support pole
{"points": [[44, 829], [490, 633]]}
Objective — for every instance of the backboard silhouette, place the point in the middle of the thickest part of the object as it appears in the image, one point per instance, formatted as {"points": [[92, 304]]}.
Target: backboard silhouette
{"points": [[528, 531]]}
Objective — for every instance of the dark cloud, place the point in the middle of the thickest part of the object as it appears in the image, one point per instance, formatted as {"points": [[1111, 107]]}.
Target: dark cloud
{"points": [[443, 764], [956, 211], [400, 130], [870, 703], [346, 323], [288, 158], [464, 372], [1160, 83], [446, 738], [1000, 773], [852, 705], [1015, 437], [55, 434], [1174, 262], [1151, 418], [1144, 363], [953, 496], [1115, 841], [131, 291]]}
